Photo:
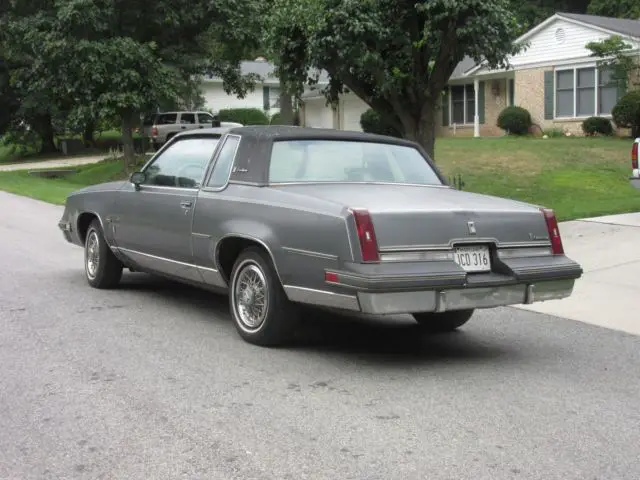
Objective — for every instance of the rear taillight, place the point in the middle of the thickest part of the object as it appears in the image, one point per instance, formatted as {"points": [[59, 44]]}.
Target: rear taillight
{"points": [[366, 235], [554, 231], [154, 132], [634, 156]]}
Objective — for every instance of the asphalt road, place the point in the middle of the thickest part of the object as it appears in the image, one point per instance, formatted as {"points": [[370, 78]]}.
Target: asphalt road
{"points": [[152, 382]]}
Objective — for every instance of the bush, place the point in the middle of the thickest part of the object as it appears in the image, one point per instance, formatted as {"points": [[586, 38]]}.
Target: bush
{"points": [[626, 113], [245, 116], [372, 122], [275, 118], [597, 126], [515, 120]]}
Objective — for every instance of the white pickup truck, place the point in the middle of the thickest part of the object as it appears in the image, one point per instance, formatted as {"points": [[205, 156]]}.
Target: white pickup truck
{"points": [[635, 171]]}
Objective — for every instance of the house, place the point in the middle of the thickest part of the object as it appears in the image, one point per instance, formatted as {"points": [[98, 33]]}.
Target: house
{"points": [[554, 78], [265, 95]]}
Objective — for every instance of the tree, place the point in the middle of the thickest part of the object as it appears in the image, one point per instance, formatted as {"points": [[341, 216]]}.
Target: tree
{"points": [[117, 58], [614, 53], [615, 8], [31, 76], [396, 55]]}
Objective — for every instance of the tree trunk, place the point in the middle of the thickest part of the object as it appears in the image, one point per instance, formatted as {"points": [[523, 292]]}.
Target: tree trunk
{"points": [[286, 106], [421, 130], [127, 141], [44, 128], [88, 133]]}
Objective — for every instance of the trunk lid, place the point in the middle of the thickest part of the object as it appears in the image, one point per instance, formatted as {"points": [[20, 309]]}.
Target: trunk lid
{"points": [[423, 216]]}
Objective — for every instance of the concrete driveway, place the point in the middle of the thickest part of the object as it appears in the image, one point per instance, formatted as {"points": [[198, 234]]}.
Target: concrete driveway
{"points": [[57, 163], [608, 248]]}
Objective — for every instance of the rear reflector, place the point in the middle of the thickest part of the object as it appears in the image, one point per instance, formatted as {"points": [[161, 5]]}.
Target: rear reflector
{"points": [[634, 156], [331, 277], [154, 132], [366, 235], [554, 231]]}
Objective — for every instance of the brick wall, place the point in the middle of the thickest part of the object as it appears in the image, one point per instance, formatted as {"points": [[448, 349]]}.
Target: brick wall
{"points": [[529, 94], [494, 103]]}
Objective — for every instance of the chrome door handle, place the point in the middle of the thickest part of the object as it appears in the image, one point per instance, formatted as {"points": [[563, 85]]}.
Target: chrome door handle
{"points": [[186, 204]]}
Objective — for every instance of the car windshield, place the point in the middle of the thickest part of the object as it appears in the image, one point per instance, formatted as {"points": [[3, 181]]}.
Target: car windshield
{"points": [[295, 161]]}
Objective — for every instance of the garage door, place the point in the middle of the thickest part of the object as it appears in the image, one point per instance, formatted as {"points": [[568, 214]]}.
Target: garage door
{"points": [[317, 114], [353, 109]]}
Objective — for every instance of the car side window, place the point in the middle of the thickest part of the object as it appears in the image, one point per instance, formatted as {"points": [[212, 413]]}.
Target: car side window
{"points": [[205, 118], [187, 118], [182, 164], [224, 163]]}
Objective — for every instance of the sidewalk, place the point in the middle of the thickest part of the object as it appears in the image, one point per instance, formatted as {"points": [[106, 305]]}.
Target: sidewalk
{"points": [[57, 163], [608, 294]]}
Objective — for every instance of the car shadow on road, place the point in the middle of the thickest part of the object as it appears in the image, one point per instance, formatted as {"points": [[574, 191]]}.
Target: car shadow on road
{"points": [[390, 340]]}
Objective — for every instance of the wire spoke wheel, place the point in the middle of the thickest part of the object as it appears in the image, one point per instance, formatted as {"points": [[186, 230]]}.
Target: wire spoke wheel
{"points": [[92, 254], [251, 299]]}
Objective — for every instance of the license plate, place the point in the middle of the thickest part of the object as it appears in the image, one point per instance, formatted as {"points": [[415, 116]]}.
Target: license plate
{"points": [[473, 259]]}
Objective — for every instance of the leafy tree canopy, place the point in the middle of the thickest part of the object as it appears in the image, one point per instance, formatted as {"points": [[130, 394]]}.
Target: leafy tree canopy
{"points": [[121, 58], [396, 55], [615, 8]]}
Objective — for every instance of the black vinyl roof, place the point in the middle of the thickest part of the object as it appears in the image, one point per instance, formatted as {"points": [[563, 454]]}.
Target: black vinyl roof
{"points": [[273, 133]]}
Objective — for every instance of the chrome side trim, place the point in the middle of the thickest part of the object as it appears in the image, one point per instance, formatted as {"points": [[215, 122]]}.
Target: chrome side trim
{"points": [[200, 235], [309, 253], [216, 250], [323, 298], [176, 268], [211, 276]]}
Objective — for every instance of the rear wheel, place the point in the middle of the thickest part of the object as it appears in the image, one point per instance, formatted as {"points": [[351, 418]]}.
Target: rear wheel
{"points": [[261, 311], [443, 322], [102, 268]]}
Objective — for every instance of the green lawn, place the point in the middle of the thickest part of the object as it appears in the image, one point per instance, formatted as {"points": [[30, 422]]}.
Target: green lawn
{"points": [[55, 190], [578, 177]]}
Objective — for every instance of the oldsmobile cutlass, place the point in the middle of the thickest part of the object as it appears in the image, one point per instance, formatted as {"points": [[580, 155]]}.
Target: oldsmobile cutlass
{"points": [[277, 217]]}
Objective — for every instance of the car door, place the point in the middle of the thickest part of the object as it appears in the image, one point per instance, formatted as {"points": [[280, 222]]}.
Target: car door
{"points": [[187, 121], [205, 120], [153, 225]]}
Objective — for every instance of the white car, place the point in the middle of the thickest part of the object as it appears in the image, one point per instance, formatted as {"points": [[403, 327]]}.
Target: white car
{"points": [[635, 172]]}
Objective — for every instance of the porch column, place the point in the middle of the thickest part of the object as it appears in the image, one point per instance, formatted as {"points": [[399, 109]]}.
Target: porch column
{"points": [[476, 116]]}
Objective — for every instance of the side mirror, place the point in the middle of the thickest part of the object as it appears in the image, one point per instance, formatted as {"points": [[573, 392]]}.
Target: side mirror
{"points": [[137, 178]]}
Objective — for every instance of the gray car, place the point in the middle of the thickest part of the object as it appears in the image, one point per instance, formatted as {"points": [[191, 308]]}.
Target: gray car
{"points": [[279, 217]]}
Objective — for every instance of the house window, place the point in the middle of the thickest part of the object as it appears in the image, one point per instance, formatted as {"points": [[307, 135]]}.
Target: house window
{"points": [[607, 92], [462, 104], [270, 98], [564, 94], [585, 92]]}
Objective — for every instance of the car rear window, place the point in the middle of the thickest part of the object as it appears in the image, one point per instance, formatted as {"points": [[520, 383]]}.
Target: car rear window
{"points": [[348, 161], [166, 118]]}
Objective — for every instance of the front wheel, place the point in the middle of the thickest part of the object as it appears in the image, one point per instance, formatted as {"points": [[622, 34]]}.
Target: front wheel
{"points": [[443, 322], [102, 268], [261, 311]]}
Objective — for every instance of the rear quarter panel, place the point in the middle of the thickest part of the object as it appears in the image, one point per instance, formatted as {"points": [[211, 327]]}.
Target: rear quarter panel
{"points": [[304, 235]]}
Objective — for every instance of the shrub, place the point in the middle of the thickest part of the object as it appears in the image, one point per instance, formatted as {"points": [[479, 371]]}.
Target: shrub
{"points": [[275, 118], [515, 120], [597, 126], [553, 132], [245, 116], [626, 113], [372, 122]]}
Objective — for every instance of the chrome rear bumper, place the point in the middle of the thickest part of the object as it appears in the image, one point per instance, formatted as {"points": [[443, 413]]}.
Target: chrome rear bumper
{"points": [[437, 300]]}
